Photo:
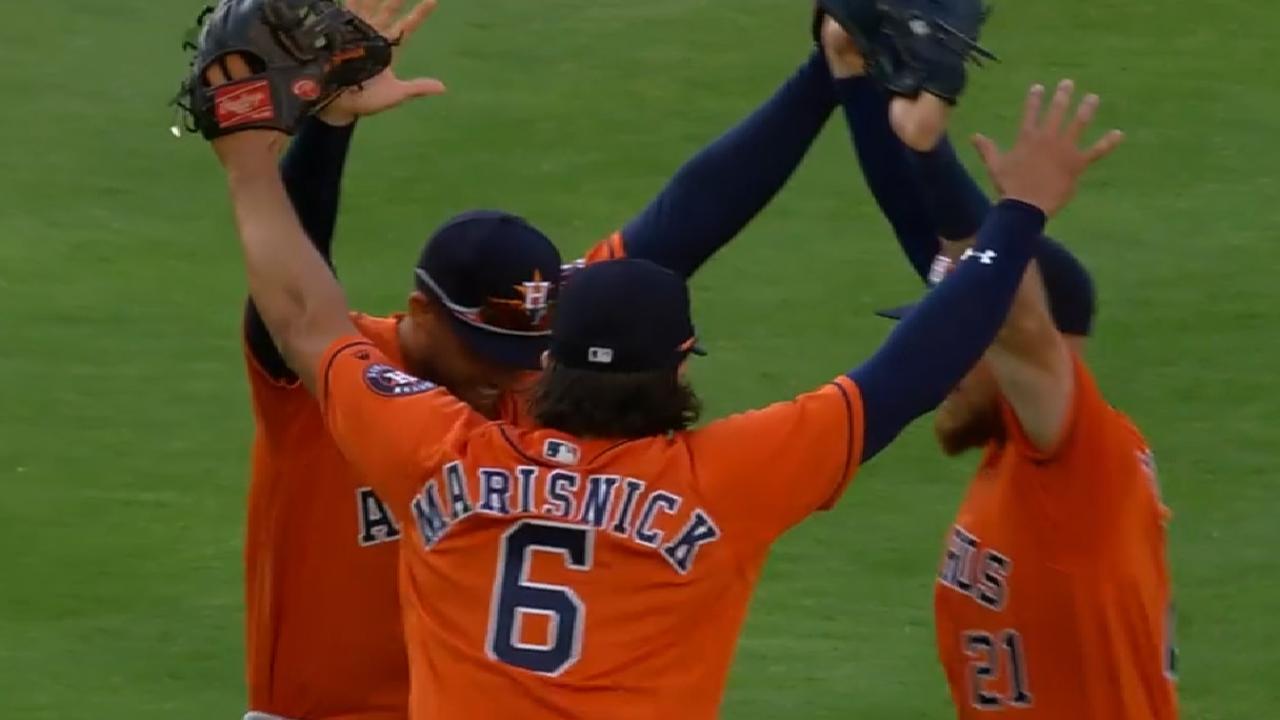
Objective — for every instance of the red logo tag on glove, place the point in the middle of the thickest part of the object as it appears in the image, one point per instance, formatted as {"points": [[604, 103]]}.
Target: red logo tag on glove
{"points": [[243, 103], [306, 89]]}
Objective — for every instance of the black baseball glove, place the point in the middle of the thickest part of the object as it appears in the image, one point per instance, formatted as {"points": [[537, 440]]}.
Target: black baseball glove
{"points": [[913, 45], [302, 54]]}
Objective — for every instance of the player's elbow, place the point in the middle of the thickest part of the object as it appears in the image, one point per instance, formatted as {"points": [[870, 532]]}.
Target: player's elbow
{"points": [[302, 324]]}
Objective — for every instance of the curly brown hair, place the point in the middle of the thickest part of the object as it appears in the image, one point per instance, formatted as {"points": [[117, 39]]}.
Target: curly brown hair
{"points": [[629, 405]]}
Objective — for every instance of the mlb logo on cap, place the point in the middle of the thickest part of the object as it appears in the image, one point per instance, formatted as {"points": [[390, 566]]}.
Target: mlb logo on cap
{"points": [[624, 316]]}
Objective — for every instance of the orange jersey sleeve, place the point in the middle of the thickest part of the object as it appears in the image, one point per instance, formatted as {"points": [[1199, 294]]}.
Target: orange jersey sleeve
{"points": [[388, 423], [772, 468], [1123, 486], [611, 248]]}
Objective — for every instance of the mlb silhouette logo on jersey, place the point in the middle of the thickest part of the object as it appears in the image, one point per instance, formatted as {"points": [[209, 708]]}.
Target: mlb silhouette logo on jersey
{"points": [[562, 452]]}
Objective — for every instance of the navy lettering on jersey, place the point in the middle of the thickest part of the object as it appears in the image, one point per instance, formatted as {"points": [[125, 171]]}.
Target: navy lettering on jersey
{"points": [[560, 486], [495, 486], [622, 525], [958, 563], [699, 531], [455, 480], [980, 572], [598, 499], [645, 534], [428, 515], [377, 524], [526, 474], [631, 509], [991, 586]]}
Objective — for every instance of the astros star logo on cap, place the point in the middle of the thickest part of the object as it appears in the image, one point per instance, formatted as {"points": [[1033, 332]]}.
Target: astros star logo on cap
{"points": [[535, 297]]}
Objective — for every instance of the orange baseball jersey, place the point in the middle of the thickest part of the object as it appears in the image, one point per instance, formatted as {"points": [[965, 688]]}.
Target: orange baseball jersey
{"points": [[1052, 599], [324, 638], [323, 630], [544, 576]]}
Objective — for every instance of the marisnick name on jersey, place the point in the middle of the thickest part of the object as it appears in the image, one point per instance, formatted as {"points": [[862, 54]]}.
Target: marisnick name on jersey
{"points": [[981, 573], [623, 506]]}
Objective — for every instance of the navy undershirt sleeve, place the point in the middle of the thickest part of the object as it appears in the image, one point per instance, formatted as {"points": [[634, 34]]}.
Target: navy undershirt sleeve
{"points": [[722, 188], [888, 170], [312, 173], [931, 350], [957, 203]]}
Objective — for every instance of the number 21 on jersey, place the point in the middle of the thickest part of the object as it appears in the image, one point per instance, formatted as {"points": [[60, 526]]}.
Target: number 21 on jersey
{"points": [[992, 657]]}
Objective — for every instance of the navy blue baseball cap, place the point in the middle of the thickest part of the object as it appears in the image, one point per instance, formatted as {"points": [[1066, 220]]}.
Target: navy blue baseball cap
{"points": [[1067, 283], [624, 316], [499, 277]]}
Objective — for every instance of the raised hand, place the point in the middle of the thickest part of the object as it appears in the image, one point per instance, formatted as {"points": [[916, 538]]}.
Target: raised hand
{"points": [[1046, 161], [385, 91]]}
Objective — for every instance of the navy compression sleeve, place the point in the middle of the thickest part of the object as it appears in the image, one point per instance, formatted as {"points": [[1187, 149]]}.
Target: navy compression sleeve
{"points": [[957, 202], [888, 171], [312, 174], [718, 192], [933, 348]]}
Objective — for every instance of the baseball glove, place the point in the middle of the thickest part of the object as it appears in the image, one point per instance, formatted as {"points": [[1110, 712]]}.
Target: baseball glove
{"points": [[302, 54], [913, 45]]}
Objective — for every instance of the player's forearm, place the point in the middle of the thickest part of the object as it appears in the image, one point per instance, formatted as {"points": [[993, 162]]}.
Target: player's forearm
{"points": [[1032, 365], [886, 167], [312, 172], [293, 289], [938, 343], [958, 205], [722, 188]]}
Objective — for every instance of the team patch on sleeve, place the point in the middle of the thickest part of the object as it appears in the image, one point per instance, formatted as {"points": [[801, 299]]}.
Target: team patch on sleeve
{"points": [[386, 380]]}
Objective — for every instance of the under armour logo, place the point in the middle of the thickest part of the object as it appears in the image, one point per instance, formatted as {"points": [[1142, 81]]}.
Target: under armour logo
{"points": [[986, 257]]}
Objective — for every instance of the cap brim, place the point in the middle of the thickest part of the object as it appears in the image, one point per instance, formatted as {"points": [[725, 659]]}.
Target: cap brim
{"points": [[897, 313], [697, 350], [513, 351]]}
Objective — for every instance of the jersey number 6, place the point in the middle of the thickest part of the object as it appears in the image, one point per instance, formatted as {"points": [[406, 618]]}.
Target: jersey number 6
{"points": [[515, 597]]}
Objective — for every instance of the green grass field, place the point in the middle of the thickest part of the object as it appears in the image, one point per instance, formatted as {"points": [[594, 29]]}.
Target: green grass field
{"points": [[125, 427]]}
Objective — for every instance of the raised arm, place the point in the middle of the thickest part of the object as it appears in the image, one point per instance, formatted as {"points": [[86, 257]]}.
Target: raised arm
{"points": [[946, 335], [714, 195], [1032, 365], [286, 223], [312, 173]]}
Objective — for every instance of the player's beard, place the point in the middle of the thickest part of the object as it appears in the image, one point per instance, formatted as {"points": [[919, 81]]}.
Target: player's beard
{"points": [[964, 423]]}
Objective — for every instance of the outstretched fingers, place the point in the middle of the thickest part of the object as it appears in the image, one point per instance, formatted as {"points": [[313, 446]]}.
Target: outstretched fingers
{"points": [[1031, 111], [385, 18], [1104, 146], [1059, 106], [413, 20]]}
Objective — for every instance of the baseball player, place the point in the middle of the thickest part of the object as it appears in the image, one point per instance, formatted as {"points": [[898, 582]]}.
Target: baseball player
{"points": [[323, 637], [599, 563], [322, 617], [1052, 598]]}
